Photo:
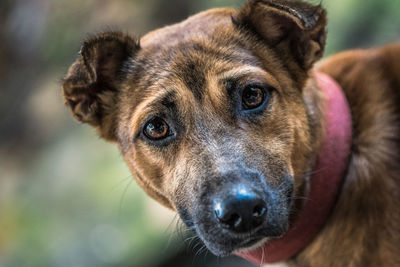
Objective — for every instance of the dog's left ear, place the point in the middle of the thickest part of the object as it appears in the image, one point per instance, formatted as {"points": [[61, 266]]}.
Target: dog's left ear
{"points": [[289, 24]]}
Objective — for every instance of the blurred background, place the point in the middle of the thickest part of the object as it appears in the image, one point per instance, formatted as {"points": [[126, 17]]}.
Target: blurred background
{"points": [[66, 197]]}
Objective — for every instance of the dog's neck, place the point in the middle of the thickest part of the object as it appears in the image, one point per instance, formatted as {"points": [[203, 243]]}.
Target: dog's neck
{"points": [[325, 182]]}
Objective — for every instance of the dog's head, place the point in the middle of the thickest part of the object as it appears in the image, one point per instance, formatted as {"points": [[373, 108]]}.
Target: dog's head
{"points": [[211, 114]]}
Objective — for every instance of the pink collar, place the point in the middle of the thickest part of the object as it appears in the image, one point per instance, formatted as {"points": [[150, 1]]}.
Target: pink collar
{"points": [[326, 182]]}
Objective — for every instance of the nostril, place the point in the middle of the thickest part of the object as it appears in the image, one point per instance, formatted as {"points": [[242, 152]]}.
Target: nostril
{"points": [[237, 221], [227, 218], [219, 212], [234, 220], [259, 210]]}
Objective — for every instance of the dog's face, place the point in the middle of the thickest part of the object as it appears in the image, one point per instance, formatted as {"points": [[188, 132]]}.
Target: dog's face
{"points": [[210, 114]]}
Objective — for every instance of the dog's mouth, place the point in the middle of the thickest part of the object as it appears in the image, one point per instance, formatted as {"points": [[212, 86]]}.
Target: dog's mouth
{"points": [[224, 244]]}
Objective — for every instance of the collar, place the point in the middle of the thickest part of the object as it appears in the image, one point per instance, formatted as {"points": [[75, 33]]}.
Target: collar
{"points": [[325, 183]]}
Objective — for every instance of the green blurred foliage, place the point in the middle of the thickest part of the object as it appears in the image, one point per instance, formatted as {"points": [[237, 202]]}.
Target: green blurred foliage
{"points": [[361, 23], [66, 197]]}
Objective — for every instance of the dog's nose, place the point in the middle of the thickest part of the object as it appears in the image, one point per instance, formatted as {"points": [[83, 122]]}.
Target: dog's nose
{"points": [[241, 211]]}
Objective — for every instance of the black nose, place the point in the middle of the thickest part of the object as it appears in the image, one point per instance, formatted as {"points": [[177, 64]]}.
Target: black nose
{"points": [[241, 211]]}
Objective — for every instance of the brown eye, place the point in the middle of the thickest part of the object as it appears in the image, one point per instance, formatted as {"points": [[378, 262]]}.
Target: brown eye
{"points": [[252, 97], [156, 129]]}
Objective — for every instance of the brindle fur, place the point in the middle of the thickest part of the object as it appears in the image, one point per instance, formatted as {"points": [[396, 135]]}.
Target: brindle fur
{"points": [[188, 73]]}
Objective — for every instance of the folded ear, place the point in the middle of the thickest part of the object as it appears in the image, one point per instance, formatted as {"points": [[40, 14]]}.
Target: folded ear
{"points": [[91, 85], [292, 24]]}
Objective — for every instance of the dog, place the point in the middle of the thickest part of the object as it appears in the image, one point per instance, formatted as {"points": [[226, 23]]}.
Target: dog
{"points": [[226, 119]]}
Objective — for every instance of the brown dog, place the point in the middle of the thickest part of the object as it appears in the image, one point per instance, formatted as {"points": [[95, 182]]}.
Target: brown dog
{"points": [[222, 119]]}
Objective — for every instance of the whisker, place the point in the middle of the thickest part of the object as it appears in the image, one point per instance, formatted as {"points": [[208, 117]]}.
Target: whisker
{"points": [[172, 235], [130, 176], [121, 201], [199, 251], [262, 255]]}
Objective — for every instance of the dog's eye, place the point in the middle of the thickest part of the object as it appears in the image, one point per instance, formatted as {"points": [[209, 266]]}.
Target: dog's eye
{"points": [[156, 129], [252, 97]]}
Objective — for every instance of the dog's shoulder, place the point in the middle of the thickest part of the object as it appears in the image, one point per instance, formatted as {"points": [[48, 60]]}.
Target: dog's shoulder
{"points": [[370, 80], [383, 60]]}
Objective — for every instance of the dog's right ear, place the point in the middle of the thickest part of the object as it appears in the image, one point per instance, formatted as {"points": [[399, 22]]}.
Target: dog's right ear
{"points": [[91, 85]]}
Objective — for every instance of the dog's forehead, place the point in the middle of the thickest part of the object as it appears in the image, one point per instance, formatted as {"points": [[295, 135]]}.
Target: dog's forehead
{"points": [[201, 25], [187, 54]]}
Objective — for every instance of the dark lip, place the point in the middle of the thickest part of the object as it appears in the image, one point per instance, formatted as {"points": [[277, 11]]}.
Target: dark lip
{"points": [[246, 244], [249, 243], [241, 246]]}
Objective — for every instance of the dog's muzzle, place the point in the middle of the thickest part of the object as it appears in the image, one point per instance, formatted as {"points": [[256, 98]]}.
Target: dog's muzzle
{"points": [[237, 209]]}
